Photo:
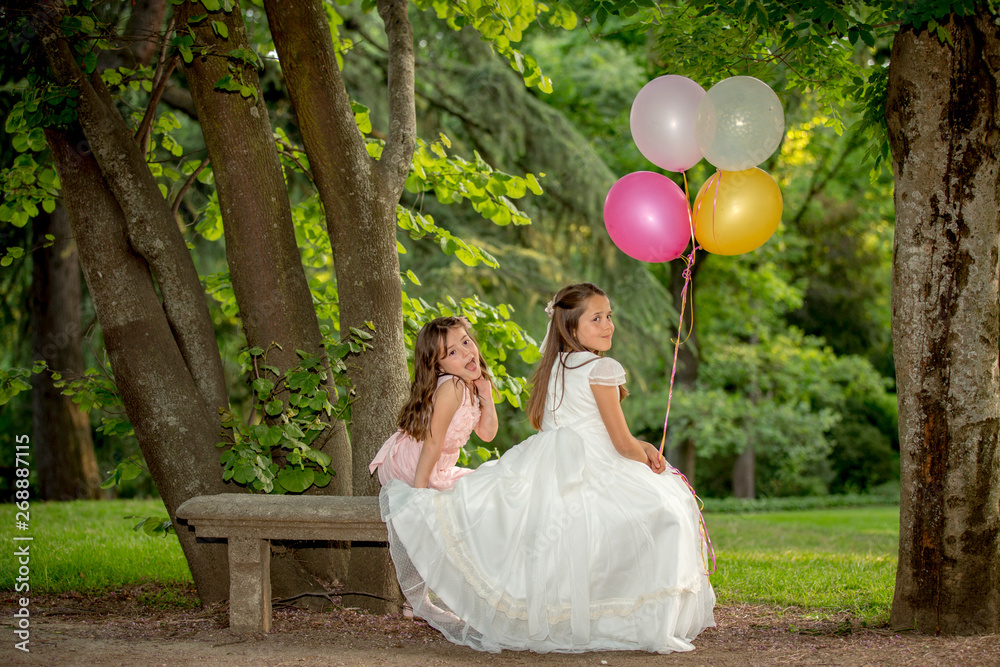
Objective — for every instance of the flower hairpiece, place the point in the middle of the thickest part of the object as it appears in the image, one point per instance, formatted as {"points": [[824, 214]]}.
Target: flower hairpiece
{"points": [[550, 308]]}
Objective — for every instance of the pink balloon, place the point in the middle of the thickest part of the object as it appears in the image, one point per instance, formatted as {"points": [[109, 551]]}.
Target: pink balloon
{"points": [[663, 119], [647, 217]]}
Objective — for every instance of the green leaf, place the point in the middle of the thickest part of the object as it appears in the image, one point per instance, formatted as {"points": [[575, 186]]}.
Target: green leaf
{"points": [[244, 472], [296, 480], [129, 470], [89, 62], [220, 29], [272, 437], [361, 333], [263, 387]]}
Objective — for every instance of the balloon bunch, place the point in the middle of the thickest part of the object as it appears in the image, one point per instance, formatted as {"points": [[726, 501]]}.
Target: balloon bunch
{"points": [[735, 126]]}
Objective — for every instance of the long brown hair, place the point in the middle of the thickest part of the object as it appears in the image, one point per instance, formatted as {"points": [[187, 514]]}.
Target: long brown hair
{"points": [[415, 417], [567, 307]]}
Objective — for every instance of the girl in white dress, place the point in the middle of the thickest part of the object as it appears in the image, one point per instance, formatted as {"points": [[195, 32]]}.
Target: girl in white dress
{"points": [[574, 540]]}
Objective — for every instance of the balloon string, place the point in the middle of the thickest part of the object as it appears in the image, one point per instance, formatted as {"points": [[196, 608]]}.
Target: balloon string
{"points": [[708, 550], [715, 202], [689, 261]]}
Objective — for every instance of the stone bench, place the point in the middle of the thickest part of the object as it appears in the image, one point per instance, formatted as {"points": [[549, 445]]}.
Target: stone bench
{"points": [[250, 521]]}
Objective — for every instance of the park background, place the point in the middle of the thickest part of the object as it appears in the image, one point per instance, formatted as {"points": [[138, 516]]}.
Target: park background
{"points": [[785, 382]]}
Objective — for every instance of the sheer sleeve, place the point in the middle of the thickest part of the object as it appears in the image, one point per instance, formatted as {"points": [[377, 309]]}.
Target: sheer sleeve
{"points": [[608, 372]]}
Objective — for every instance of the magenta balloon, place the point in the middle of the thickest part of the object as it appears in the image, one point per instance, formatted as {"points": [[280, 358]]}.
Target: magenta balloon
{"points": [[647, 217], [663, 119]]}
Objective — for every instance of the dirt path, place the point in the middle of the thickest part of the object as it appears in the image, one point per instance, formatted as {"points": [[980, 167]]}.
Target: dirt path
{"points": [[137, 627]]}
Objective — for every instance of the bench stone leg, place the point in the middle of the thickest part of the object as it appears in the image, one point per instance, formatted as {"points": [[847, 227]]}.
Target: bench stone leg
{"points": [[249, 585]]}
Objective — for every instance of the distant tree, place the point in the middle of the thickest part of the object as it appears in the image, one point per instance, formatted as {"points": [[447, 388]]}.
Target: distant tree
{"points": [[63, 446]]}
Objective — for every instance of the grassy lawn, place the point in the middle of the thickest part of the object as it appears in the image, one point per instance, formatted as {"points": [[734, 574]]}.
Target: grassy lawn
{"points": [[87, 545], [830, 561]]}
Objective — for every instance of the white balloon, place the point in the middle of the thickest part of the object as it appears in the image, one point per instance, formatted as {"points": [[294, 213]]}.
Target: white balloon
{"points": [[662, 121], [739, 123]]}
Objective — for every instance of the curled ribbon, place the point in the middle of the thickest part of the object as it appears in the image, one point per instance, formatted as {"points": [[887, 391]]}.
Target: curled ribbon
{"points": [[709, 550]]}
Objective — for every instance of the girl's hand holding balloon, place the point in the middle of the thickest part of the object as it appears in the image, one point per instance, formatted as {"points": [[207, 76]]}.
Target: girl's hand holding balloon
{"points": [[656, 461]]}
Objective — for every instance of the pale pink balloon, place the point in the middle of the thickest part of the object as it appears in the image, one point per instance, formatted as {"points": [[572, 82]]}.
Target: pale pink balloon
{"points": [[646, 215], [663, 120]]}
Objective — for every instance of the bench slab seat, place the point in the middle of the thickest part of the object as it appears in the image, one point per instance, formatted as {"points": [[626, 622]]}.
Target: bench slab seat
{"points": [[250, 521]]}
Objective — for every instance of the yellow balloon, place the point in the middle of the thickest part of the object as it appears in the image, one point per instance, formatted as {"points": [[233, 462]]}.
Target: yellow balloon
{"points": [[736, 211]]}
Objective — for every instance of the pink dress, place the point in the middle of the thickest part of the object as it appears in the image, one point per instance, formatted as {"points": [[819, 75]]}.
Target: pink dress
{"points": [[398, 457]]}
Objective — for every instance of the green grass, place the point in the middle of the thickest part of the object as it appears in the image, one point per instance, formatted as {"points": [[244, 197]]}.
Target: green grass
{"points": [[733, 505], [828, 561], [87, 545]]}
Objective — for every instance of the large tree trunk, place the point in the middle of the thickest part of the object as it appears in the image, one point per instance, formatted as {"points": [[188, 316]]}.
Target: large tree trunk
{"points": [[941, 113], [359, 197], [163, 353], [171, 422], [264, 263], [67, 467]]}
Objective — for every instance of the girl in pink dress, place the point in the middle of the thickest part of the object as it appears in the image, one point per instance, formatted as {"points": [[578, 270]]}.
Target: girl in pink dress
{"points": [[451, 396]]}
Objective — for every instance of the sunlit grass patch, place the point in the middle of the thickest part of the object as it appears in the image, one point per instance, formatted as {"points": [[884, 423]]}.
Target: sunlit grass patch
{"points": [[827, 561], [88, 545]]}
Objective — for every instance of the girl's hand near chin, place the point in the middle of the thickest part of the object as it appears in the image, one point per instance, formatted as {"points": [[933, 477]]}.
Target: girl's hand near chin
{"points": [[483, 385]]}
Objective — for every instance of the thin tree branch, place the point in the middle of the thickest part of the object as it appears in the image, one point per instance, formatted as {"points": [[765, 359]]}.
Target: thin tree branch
{"points": [[187, 184], [394, 166], [163, 70]]}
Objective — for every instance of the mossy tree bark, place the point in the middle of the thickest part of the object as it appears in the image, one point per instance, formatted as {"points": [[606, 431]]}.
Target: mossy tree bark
{"points": [[264, 263], [173, 423], [359, 195], [161, 345], [942, 119]]}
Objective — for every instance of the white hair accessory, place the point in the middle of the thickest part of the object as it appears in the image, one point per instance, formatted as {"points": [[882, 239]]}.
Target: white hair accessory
{"points": [[550, 311]]}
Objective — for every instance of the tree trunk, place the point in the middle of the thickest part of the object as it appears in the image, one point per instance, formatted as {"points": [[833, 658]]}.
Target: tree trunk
{"points": [[941, 113], [745, 467], [163, 353], [171, 422], [264, 263], [144, 28], [359, 197], [149, 223], [744, 474], [66, 465]]}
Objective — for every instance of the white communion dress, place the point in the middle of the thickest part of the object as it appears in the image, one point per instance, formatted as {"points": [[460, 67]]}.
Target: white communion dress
{"points": [[559, 545]]}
